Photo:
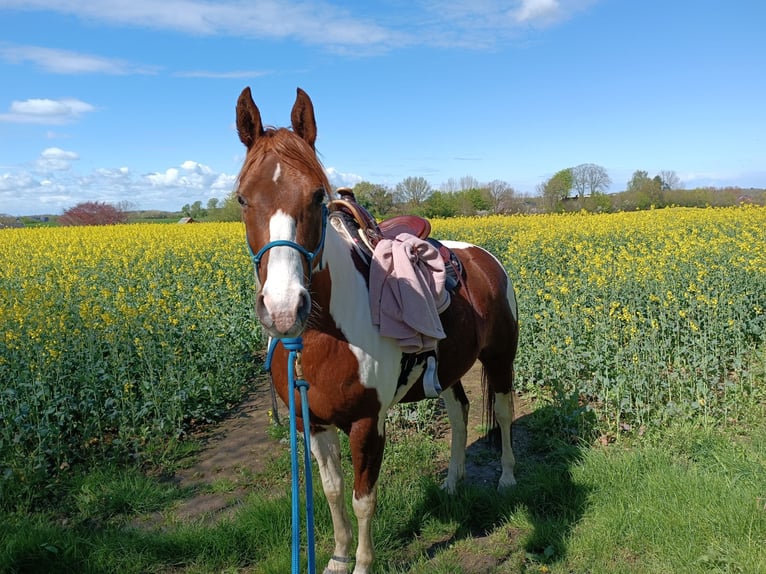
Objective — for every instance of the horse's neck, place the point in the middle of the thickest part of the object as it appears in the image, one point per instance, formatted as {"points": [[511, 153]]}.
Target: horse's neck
{"points": [[349, 299]]}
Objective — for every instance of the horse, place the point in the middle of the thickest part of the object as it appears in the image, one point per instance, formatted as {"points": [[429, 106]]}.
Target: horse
{"points": [[308, 283]]}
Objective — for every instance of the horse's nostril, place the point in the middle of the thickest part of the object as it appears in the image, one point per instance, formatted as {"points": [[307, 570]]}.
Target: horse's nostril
{"points": [[304, 305], [260, 307]]}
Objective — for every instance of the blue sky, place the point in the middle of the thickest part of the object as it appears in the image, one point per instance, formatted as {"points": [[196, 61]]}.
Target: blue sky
{"points": [[133, 100]]}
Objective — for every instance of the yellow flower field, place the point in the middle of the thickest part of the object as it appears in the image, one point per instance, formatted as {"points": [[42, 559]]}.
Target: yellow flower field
{"points": [[115, 336], [114, 339], [643, 316]]}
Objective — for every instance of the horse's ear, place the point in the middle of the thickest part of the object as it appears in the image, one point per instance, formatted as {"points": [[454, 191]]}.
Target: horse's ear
{"points": [[249, 124], [303, 120]]}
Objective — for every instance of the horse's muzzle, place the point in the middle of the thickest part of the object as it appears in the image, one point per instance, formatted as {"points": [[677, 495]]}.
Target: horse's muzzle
{"points": [[285, 315]]}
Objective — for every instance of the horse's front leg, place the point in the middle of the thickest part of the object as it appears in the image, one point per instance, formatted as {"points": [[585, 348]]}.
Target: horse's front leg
{"points": [[456, 403], [326, 449], [367, 442]]}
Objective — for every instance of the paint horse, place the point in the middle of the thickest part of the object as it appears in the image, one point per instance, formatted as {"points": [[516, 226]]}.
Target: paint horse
{"points": [[309, 284]]}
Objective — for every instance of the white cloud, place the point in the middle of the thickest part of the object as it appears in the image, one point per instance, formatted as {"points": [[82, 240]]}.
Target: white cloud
{"points": [[537, 10], [195, 167], [58, 153], [190, 174], [13, 181], [340, 179], [51, 185], [349, 29], [56, 159], [313, 22], [167, 179], [46, 111], [224, 182], [67, 62]]}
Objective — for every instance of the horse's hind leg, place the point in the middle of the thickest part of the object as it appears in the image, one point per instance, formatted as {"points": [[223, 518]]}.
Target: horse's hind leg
{"points": [[504, 415], [499, 376], [326, 449], [456, 403]]}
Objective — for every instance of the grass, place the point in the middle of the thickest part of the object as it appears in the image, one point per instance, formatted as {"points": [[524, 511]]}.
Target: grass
{"points": [[692, 499]]}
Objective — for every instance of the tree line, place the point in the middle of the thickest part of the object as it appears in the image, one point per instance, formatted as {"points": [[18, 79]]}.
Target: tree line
{"points": [[582, 187]]}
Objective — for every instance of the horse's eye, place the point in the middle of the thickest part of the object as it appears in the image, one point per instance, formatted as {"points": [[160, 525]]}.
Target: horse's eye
{"points": [[318, 198], [242, 201]]}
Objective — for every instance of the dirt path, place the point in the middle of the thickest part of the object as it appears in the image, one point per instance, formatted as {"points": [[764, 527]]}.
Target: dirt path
{"points": [[238, 448]]}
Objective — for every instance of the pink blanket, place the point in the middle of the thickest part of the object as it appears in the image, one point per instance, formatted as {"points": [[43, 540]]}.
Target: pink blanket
{"points": [[407, 292]]}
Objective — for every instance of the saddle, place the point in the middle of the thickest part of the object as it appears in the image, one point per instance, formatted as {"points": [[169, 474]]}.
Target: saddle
{"points": [[358, 224], [347, 215]]}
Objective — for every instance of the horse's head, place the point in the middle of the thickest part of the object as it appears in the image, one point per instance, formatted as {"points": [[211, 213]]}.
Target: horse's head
{"points": [[282, 189]]}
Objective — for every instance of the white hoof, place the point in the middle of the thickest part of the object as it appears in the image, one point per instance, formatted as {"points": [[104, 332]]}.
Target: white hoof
{"points": [[506, 482]]}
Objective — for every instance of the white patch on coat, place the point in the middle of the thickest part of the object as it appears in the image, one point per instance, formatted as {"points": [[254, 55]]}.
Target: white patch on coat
{"points": [[379, 357], [277, 173]]}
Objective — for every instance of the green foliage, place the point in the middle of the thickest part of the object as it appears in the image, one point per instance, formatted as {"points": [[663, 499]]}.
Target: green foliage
{"points": [[598, 203], [377, 199], [412, 192], [229, 210], [440, 204], [557, 188], [478, 200], [647, 191], [195, 210]]}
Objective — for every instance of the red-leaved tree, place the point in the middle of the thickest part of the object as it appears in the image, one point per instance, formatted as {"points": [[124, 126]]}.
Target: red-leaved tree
{"points": [[93, 213]]}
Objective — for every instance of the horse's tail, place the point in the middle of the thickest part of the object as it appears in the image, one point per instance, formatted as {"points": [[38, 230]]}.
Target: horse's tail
{"points": [[488, 419]]}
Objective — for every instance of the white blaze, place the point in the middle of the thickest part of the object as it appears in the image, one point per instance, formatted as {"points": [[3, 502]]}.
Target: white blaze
{"points": [[284, 280]]}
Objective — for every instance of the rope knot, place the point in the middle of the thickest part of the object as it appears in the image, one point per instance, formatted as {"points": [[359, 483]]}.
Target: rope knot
{"points": [[292, 343]]}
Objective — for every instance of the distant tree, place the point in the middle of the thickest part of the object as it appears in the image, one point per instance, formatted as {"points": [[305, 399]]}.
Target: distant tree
{"points": [[555, 189], [212, 204], [646, 191], [413, 191], [670, 180], [229, 210], [374, 197], [502, 195], [638, 180], [452, 185], [440, 204], [195, 210], [589, 178], [92, 213], [474, 200], [599, 203], [126, 205], [469, 182], [9, 221]]}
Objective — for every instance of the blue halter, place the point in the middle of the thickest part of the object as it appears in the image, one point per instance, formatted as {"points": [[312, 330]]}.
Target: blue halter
{"points": [[308, 255], [296, 382]]}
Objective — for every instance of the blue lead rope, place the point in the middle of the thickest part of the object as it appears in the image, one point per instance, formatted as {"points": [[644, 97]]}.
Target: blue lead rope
{"points": [[295, 381]]}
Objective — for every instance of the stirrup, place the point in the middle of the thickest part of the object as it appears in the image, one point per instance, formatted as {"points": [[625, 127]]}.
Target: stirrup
{"points": [[431, 385]]}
